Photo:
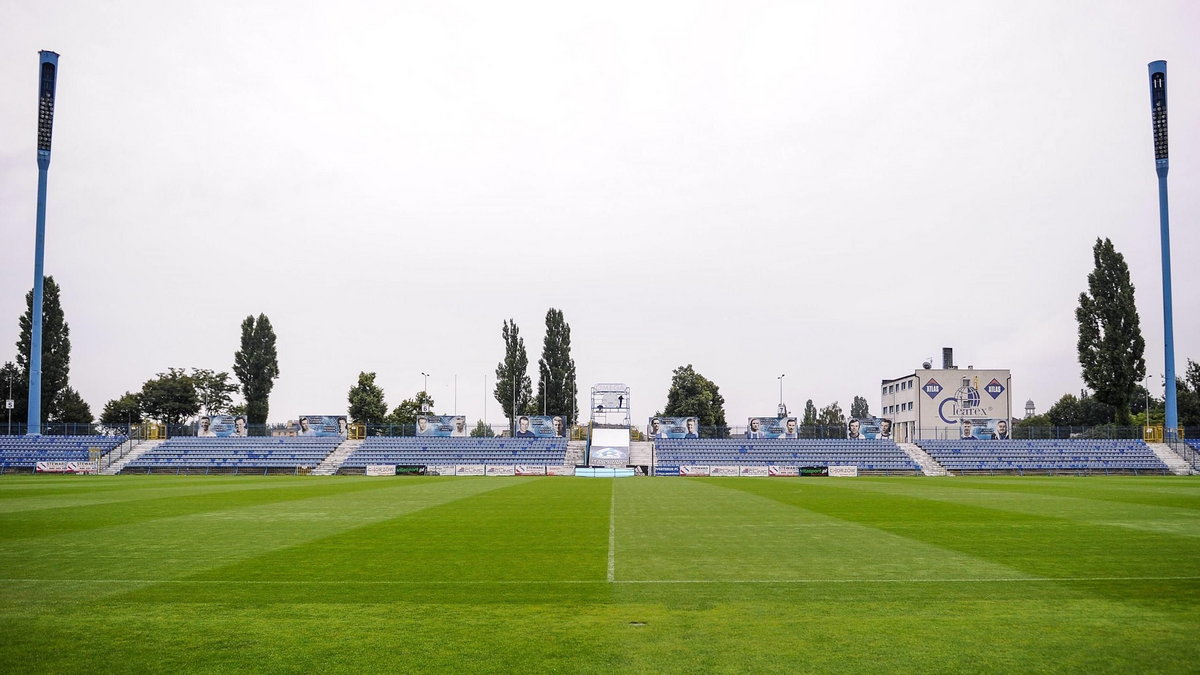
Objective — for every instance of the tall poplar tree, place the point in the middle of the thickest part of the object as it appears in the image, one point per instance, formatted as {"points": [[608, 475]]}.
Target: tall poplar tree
{"points": [[256, 366], [859, 408], [556, 369], [514, 391], [56, 354], [1111, 346]]}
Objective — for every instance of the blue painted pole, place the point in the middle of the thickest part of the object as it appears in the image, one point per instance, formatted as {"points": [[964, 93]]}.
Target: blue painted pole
{"points": [[1162, 164], [47, 80]]}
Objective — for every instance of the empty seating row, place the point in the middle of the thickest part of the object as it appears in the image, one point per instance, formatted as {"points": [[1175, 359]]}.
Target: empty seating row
{"points": [[259, 452], [418, 450], [867, 455], [1063, 454], [27, 451]]}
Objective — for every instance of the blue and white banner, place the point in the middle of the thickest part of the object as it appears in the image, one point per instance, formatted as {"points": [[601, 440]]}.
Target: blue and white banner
{"points": [[541, 426], [221, 426], [869, 428], [772, 427], [322, 425], [673, 427], [984, 430], [452, 426]]}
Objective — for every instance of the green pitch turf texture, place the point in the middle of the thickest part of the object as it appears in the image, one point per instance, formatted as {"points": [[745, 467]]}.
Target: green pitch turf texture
{"points": [[355, 574]]}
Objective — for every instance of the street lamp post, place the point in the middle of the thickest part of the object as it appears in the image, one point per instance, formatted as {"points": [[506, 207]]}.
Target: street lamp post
{"points": [[782, 409], [1158, 117]]}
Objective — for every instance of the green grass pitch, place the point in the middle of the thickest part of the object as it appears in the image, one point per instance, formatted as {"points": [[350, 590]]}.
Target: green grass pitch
{"points": [[356, 574]]}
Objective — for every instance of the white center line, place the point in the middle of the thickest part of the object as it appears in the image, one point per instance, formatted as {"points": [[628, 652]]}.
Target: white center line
{"points": [[612, 534]]}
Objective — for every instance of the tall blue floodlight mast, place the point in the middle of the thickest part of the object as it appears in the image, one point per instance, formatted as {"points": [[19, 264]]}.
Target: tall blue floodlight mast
{"points": [[1158, 116], [47, 77]]}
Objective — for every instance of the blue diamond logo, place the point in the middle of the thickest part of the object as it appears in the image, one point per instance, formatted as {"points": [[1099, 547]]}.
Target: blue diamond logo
{"points": [[932, 388], [994, 388]]}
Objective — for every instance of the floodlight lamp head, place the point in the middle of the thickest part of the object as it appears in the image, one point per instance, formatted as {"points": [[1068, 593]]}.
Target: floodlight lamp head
{"points": [[47, 79], [1158, 112]]}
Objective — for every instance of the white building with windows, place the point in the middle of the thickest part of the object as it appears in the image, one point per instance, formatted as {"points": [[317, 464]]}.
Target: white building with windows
{"points": [[940, 403]]}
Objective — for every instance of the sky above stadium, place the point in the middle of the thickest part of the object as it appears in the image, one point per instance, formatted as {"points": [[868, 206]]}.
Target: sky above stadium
{"points": [[830, 191]]}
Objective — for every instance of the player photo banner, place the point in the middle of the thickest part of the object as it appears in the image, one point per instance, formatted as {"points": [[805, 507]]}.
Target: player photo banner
{"points": [[985, 430], [870, 428], [772, 427], [541, 426], [322, 425], [221, 426], [446, 426], [673, 427]]}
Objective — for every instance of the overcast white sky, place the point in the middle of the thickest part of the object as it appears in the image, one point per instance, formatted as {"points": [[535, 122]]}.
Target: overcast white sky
{"points": [[833, 191]]}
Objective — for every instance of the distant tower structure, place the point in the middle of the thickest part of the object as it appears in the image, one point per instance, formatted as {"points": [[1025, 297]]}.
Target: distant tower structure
{"points": [[1029, 410]]}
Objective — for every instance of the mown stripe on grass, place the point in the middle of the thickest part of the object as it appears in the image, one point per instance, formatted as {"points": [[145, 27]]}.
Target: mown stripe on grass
{"points": [[694, 529], [1050, 544], [69, 518], [550, 528], [176, 545]]}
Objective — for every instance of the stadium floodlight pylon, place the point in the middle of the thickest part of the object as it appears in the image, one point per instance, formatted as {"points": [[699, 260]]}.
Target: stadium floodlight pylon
{"points": [[47, 80], [1158, 118]]}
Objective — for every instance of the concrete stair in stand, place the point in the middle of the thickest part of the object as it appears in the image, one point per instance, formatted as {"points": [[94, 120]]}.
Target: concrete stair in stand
{"points": [[135, 452], [575, 453], [1178, 465], [340, 454], [929, 465]]}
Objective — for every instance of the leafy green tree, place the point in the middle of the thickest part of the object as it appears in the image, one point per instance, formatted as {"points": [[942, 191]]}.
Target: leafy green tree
{"points": [[556, 370], [482, 430], [366, 401], [215, 391], [859, 409], [127, 409], [406, 413], [1187, 396], [1111, 346], [831, 416], [70, 408], [170, 397], [256, 365], [693, 395], [56, 353], [513, 391], [1079, 411]]}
